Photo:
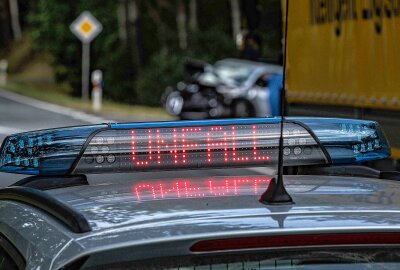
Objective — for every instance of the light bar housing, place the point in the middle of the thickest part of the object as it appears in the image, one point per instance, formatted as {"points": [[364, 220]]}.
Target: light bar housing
{"points": [[192, 144], [45, 152]]}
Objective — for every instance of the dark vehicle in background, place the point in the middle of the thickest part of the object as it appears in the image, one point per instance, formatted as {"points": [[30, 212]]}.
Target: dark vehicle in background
{"points": [[229, 88]]}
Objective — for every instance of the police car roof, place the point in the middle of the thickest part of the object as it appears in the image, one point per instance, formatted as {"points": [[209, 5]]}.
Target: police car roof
{"points": [[126, 212], [120, 217]]}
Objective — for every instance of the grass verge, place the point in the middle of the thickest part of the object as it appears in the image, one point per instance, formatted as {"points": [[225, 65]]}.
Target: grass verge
{"points": [[59, 95]]}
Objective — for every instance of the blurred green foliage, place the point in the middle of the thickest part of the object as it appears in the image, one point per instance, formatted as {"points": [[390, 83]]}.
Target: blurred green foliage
{"points": [[51, 19], [166, 68], [137, 69], [162, 71], [211, 45]]}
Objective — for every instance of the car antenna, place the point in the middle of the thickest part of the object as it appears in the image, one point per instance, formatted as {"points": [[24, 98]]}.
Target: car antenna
{"points": [[276, 192]]}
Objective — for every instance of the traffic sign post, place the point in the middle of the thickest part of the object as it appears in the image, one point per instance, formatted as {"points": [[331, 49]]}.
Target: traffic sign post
{"points": [[86, 27]]}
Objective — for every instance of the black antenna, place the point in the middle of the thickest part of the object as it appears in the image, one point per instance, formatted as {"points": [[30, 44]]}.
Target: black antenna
{"points": [[276, 192]]}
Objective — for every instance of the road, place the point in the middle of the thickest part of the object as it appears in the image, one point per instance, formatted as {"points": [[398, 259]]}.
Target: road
{"points": [[22, 116], [19, 114]]}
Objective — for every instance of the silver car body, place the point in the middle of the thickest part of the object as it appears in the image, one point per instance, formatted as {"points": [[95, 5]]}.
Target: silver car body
{"points": [[256, 95], [126, 227]]}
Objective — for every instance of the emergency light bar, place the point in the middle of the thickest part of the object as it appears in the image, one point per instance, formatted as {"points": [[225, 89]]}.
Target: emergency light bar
{"points": [[192, 144]]}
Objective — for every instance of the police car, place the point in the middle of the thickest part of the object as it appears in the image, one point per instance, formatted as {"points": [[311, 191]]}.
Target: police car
{"points": [[157, 215]]}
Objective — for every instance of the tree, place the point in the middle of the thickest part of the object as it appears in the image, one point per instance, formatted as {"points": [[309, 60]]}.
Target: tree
{"points": [[235, 11], [193, 23], [14, 16], [181, 25], [5, 27]]}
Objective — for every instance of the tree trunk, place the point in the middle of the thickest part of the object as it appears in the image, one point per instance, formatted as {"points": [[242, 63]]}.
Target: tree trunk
{"points": [[122, 21], [161, 29], [193, 24], [134, 32], [15, 25], [181, 24], [235, 11], [5, 25]]}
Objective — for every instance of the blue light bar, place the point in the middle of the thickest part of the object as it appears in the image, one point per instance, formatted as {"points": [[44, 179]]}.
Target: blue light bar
{"points": [[192, 144], [44, 152]]}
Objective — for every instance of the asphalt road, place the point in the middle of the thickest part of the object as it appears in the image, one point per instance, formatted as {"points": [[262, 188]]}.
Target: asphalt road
{"points": [[18, 117], [19, 114]]}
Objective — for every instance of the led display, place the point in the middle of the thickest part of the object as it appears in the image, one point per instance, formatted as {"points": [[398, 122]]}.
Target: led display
{"points": [[198, 147]]}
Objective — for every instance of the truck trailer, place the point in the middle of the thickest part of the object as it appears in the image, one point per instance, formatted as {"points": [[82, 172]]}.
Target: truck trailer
{"points": [[343, 60]]}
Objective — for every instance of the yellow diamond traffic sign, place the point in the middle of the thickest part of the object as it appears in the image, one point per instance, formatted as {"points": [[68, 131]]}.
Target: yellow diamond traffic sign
{"points": [[86, 27]]}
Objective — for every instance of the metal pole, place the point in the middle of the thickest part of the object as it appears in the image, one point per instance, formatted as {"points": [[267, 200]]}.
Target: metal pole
{"points": [[85, 70]]}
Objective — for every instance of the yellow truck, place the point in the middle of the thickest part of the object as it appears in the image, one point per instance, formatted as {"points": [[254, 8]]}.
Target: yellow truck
{"points": [[343, 58]]}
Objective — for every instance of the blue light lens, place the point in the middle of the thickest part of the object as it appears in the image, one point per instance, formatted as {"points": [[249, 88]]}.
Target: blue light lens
{"points": [[349, 141], [45, 152]]}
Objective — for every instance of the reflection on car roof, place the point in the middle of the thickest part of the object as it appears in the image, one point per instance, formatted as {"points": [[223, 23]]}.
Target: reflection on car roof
{"points": [[181, 200]]}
